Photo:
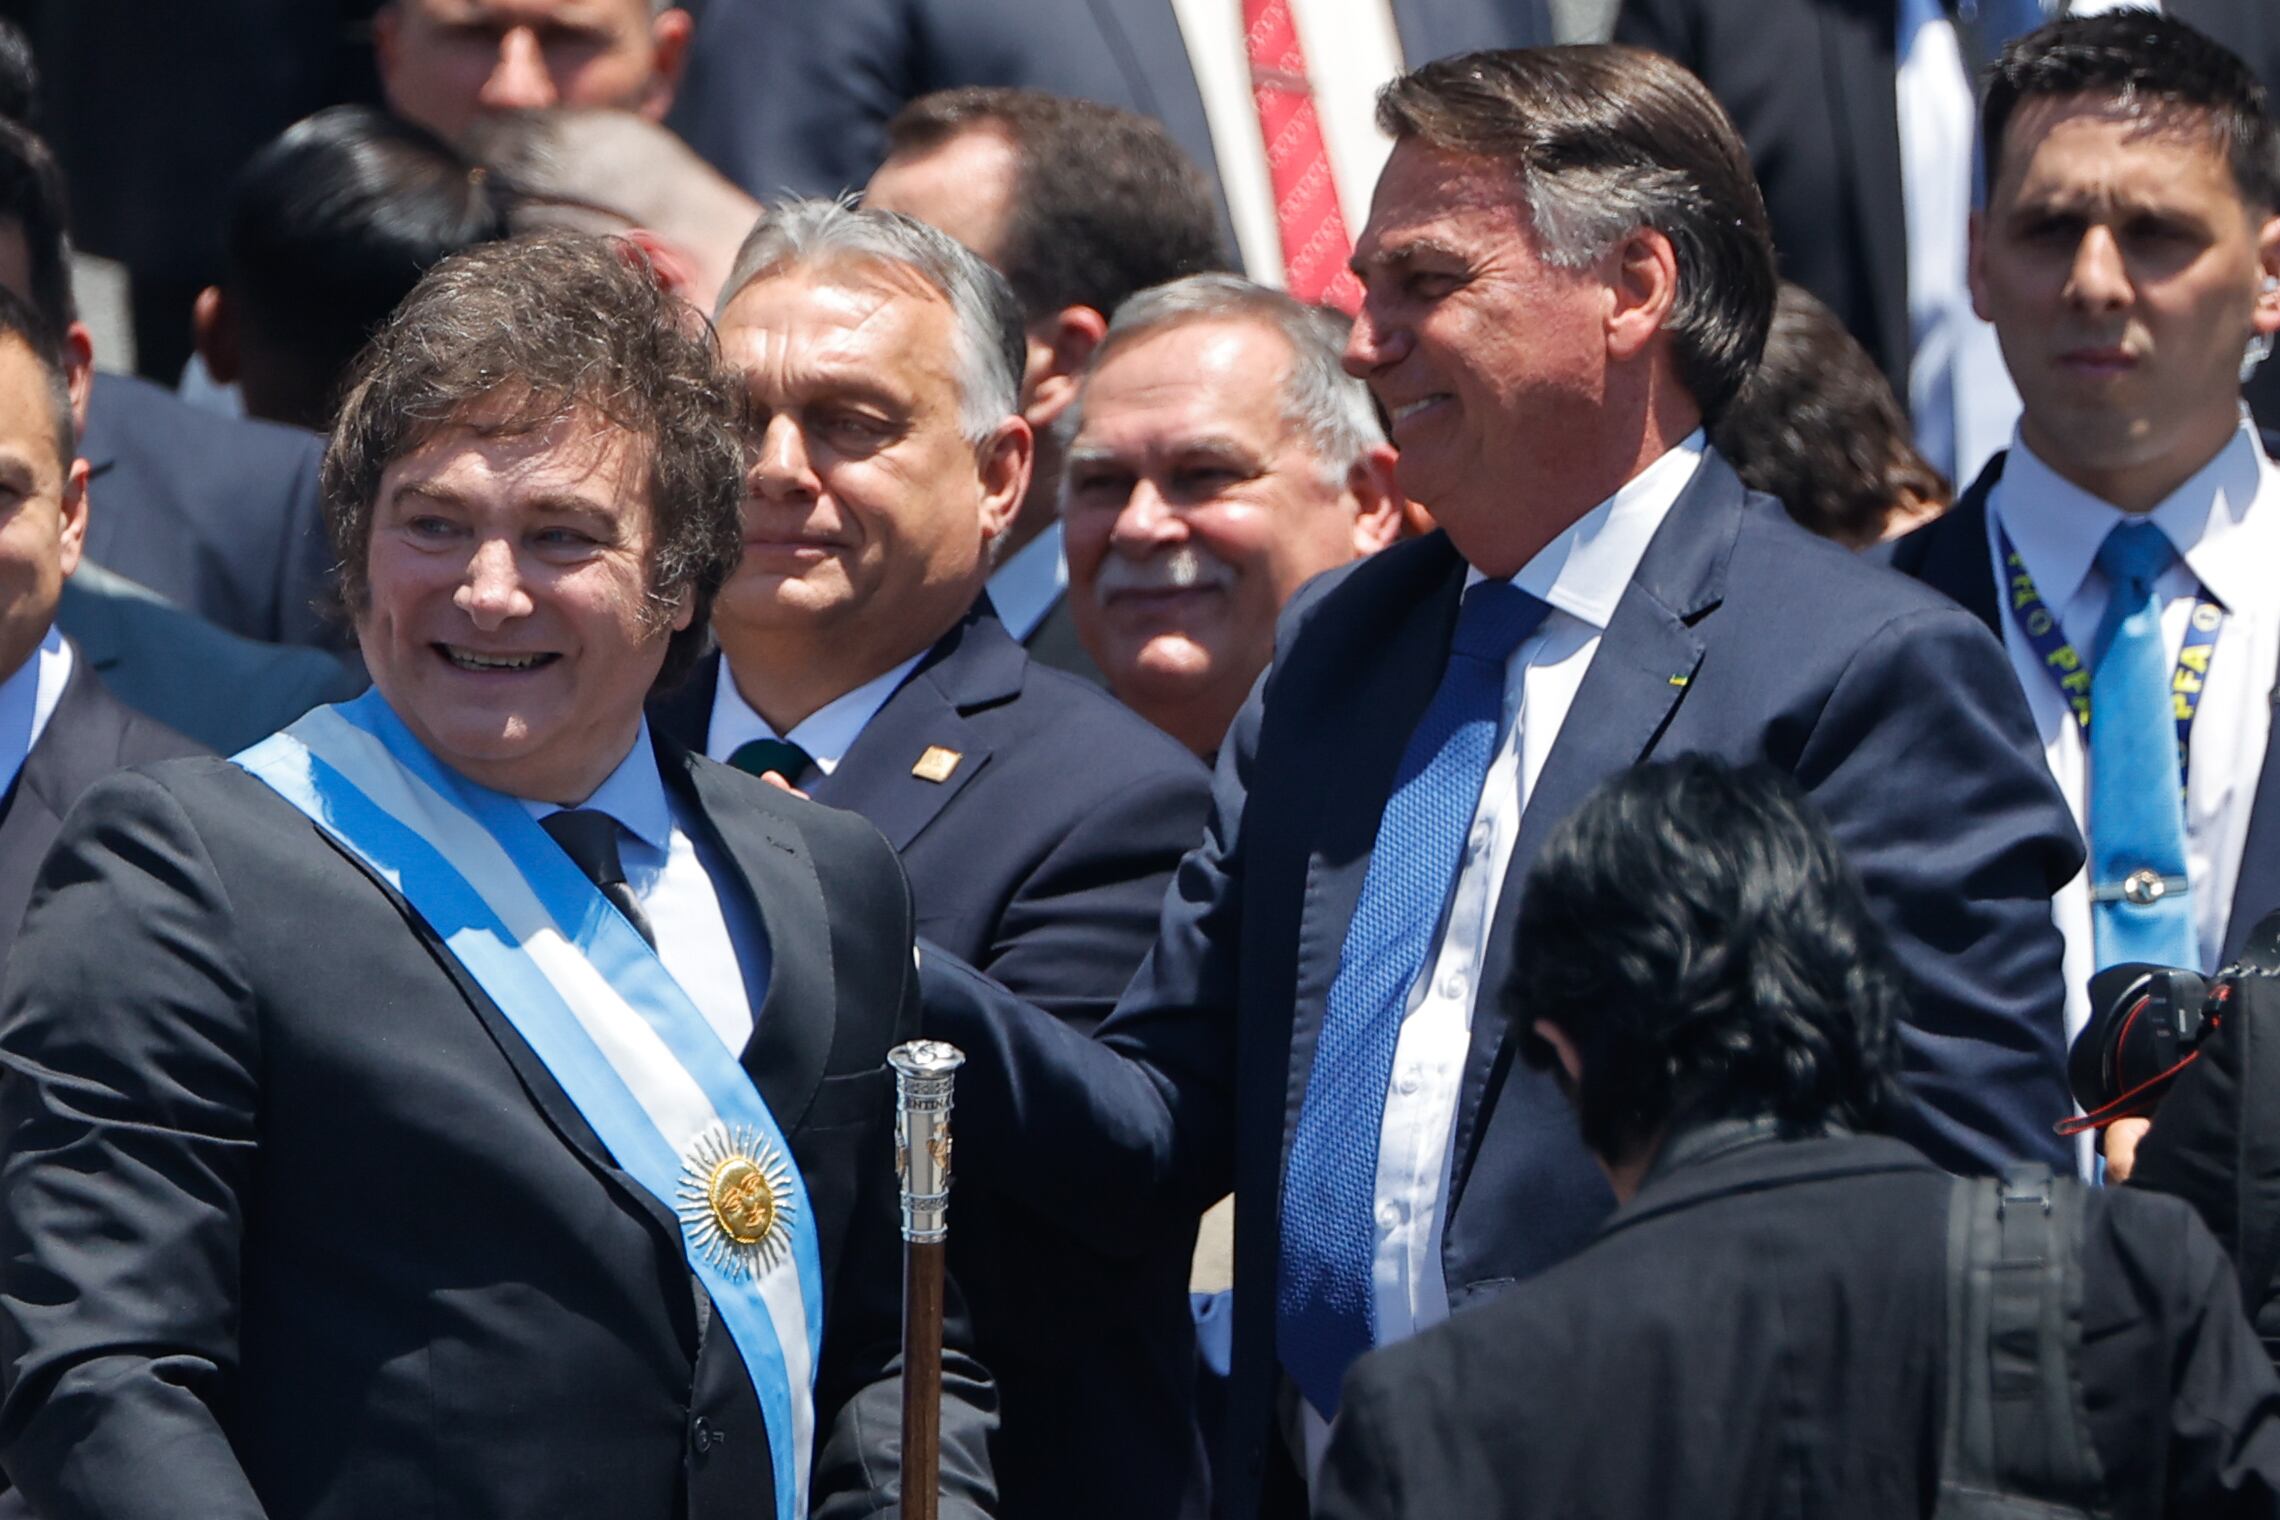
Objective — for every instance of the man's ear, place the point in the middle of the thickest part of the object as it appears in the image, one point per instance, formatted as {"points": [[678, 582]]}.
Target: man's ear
{"points": [[213, 327], [1975, 267], [1643, 282], [674, 269], [1374, 488], [1005, 460], [1060, 346], [385, 22], [2267, 315], [74, 536], [79, 372], [1563, 1049], [669, 43]]}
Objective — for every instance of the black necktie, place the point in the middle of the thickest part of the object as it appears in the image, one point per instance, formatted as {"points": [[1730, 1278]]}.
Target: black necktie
{"points": [[782, 756], [590, 839]]}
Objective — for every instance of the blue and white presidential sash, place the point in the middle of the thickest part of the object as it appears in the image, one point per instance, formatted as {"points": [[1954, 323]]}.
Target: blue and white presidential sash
{"points": [[591, 998]]}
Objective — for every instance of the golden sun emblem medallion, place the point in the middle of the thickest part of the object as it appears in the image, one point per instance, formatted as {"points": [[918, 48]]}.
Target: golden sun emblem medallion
{"points": [[736, 1200]]}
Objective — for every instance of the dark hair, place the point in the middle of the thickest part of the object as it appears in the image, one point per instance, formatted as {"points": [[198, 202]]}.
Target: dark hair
{"points": [[333, 223], [19, 74], [1104, 202], [1818, 427], [1607, 139], [2144, 58], [506, 339], [1694, 931], [31, 195]]}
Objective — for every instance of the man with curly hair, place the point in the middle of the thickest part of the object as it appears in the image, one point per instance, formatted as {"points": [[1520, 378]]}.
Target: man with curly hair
{"points": [[466, 1102]]}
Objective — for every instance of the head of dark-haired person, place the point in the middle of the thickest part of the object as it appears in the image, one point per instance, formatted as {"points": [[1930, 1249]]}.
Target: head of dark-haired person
{"points": [[2129, 252], [1566, 270], [45, 485], [1818, 428], [1692, 947], [532, 488], [330, 226], [34, 263], [1079, 205]]}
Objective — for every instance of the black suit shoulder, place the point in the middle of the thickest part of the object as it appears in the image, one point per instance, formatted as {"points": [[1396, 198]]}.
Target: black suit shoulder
{"points": [[1745, 1286], [90, 735]]}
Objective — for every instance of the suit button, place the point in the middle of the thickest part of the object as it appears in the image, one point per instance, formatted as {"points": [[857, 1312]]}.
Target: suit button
{"points": [[702, 1436]]}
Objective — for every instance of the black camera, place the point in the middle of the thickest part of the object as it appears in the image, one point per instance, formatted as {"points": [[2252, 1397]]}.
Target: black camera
{"points": [[2146, 1025]]}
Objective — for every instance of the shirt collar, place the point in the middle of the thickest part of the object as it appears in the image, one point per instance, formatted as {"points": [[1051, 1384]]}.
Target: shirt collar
{"points": [[827, 734], [1024, 587], [633, 794], [1585, 570], [2057, 527], [28, 699]]}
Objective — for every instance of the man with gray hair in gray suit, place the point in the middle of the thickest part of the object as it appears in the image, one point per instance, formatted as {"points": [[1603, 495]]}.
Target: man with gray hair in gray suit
{"points": [[1221, 458]]}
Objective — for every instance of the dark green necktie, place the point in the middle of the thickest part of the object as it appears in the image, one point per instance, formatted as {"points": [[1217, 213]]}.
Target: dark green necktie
{"points": [[590, 839], [781, 756]]}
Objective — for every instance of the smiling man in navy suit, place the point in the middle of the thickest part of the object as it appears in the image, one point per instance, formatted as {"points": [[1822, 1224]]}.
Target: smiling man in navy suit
{"points": [[1567, 271], [1038, 819]]}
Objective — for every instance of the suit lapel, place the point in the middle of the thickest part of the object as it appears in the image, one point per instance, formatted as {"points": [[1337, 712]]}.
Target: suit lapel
{"points": [[794, 1022], [1858, 41], [975, 665], [1153, 56], [1638, 677]]}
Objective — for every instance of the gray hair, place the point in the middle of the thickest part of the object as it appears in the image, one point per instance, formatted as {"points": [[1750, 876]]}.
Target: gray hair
{"points": [[1329, 407], [992, 344]]}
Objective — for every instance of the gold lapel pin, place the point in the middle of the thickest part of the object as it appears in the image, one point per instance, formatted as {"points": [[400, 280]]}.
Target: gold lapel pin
{"points": [[1678, 680], [936, 764]]}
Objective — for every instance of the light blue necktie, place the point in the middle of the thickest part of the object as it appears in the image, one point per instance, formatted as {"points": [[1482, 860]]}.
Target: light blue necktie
{"points": [[2141, 907], [1323, 1315]]}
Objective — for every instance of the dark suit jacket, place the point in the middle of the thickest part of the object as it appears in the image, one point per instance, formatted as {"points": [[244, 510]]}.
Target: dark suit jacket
{"points": [[1043, 859], [217, 515], [783, 95], [1763, 1332], [1950, 554], [1810, 85], [222, 690], [89, 735], [355, 1253], [1741, 636]]}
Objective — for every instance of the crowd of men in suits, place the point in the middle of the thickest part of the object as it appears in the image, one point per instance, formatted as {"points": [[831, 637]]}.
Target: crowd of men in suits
{"points": [[616, 631]]}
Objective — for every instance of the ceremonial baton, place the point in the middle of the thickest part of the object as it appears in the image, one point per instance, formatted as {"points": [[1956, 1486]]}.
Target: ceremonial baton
{"points": [[924, 1071]]}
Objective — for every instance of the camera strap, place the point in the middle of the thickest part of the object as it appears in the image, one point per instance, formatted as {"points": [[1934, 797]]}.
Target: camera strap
{"points": [[2038, 625], [2016, 1438]]}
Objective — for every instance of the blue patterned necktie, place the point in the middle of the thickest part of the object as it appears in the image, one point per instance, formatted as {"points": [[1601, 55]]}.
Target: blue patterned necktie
{"points": [[2141, 906], [1323, 1308]]}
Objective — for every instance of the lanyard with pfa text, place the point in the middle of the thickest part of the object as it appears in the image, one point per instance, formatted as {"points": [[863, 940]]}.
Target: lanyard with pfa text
{"points": [[2039, 626]]}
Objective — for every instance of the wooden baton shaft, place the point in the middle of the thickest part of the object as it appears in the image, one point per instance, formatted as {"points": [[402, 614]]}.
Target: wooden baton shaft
{"points": [[922, 1379]]}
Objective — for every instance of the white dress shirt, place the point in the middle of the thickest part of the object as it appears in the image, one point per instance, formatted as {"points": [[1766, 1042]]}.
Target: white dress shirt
{"points": [[827, 734], [1351, 48], [1582, 574], [706, 943], [27, 700], [1031, 579], [2225, 523], [1960, 395]]}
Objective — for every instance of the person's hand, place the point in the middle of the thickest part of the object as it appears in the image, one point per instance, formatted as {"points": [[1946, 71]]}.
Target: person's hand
{"points": [[776, 779], [2120, 1147]]}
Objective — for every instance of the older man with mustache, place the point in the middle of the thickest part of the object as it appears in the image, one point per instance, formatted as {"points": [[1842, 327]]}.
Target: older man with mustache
{"points": [[1222, 457]]}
